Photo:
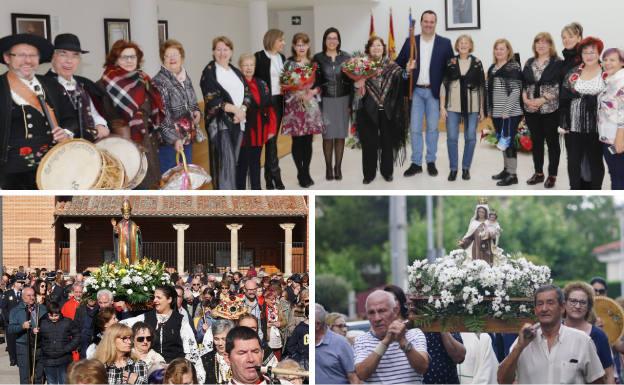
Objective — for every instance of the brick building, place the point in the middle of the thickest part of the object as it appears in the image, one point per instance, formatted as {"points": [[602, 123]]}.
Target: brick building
{"points": [[216, 231]]}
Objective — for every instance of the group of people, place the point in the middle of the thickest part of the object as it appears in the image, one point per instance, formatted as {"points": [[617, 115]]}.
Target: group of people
{"points": [[246, 107], [54, 333], [566, 345]]}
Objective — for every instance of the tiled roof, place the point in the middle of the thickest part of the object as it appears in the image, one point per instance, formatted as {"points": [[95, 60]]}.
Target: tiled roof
{"points": [[183, 206], [603, 249]]}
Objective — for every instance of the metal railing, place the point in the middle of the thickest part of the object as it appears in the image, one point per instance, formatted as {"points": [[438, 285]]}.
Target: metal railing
{"points": [[214, 256]]}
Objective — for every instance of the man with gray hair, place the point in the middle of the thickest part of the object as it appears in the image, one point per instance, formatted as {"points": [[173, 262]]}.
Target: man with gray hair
{"points": [[73, 302], [334, 356], [550, 352], [389, 353]]}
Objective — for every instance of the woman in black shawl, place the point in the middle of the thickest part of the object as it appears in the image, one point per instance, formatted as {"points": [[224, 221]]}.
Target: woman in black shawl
{"points": [[226, 98], [542, 79], [382, 116]]}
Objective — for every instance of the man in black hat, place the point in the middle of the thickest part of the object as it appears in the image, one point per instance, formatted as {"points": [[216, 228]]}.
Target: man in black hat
{"points": [[12, 298], [86, 98], [26, 134], [293, 289]]}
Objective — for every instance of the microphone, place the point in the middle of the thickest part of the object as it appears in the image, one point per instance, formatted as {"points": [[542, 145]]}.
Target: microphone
{"points": [[269, 370]]}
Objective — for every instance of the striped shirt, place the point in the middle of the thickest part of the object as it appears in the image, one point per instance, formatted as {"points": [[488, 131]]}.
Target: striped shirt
{"points": [[394, 368], [506, 105]]}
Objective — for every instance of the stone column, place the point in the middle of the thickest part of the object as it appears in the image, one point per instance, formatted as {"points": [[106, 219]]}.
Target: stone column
{"points": [[73, 227], [258, 23], [180, 227], [234, 227], [144, 31], [288, 227]]}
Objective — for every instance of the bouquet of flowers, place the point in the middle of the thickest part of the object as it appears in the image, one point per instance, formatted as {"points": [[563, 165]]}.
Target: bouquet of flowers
{"points": [[459, 286], [522, 141], [298, 78], [134, 284], [360, 66]]}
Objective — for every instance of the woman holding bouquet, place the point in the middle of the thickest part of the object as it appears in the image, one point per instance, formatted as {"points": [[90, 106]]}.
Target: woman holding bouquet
{"points": [[336, 91], [382, 119], [260, 126], [226, 98], [302, 114]]}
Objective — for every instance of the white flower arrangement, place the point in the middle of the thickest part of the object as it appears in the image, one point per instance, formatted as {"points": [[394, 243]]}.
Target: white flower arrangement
{"points": [[457, 285], [130, 283]]}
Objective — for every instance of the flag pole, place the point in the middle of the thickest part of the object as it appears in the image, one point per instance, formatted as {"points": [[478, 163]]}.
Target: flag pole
{"points": [[412, 55]]}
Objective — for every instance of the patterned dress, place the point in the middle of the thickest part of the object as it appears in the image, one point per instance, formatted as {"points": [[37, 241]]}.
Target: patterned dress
{"points": [[300, 117]]}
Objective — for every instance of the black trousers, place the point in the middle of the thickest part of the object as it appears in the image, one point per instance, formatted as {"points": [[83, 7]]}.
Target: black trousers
{"points": [[10, 340], [248, 164], [271, 161], [302, 155], [543, 128], [584, 145], [376, 145], [20, 181]]}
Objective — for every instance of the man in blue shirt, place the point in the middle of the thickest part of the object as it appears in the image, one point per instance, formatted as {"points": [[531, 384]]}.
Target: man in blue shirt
{"points": [[334, 355], [432, 54]]}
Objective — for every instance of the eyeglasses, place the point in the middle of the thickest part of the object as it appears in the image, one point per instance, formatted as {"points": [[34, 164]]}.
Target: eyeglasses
{"points": [[68, 55], [125, 338], [600, 291], [128, 57], [197, 284], [173, 56], [575, 302], [142, 339], [23, 56]]}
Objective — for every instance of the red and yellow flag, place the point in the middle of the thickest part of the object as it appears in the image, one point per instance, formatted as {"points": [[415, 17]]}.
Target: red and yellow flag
{"points": [[372, 33], [391, 45]]}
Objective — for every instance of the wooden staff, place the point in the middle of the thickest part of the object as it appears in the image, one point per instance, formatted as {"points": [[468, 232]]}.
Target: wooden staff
{"points": [[34, 360], [412, 56]]}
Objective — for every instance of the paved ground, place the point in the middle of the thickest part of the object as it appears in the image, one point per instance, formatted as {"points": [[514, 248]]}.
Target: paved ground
{"points": [[487, 162], [8, 374]]}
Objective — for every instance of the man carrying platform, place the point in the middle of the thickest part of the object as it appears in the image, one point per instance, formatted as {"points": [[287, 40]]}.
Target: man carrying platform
{"points": [[28, 129]]}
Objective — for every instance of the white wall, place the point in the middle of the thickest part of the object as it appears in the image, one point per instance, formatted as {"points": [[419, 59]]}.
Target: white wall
{"points": [[514, 19], [284, 22], [194, 23]]}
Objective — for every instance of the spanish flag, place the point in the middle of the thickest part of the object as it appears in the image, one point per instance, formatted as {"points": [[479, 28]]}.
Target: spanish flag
{"points": [[372, 26], [391, 45]]}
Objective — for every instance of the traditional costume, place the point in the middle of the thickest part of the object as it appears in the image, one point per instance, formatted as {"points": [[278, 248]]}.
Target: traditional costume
{"points": [[25, 133], [86, 98]]}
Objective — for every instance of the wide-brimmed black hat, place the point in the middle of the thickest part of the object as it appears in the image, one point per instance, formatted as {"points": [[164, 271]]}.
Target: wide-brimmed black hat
{"points": [[45, 47], [68, 42]]}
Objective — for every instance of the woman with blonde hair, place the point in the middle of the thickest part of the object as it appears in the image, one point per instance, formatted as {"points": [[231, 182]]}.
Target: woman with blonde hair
{"points": [[504, 88], [542, 80], [180, 371], [115, 352]]}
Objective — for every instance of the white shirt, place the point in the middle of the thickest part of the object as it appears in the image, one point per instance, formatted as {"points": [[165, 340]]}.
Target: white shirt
{"points": [[277, 66], [70, 85], [30, 84], [571, 360], [233, 85], [426, 50], [480, 365]]}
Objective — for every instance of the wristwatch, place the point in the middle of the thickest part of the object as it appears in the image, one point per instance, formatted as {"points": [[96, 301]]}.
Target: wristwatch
{"points": [[406, 349]]}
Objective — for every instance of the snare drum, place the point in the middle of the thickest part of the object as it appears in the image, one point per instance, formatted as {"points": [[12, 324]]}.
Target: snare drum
{"points": [[133, 159], [79, 165]]}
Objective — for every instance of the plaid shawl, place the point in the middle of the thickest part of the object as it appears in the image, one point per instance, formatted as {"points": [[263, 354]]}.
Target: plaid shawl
{"points": [[129, 92]]}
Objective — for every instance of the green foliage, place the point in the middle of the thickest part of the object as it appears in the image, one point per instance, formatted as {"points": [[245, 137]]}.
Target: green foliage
{"points": [[332, 292], [558, 231]]}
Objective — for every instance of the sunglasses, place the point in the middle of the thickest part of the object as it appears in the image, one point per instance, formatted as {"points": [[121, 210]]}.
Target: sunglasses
{"points": [[600, 291], [142, 339]]}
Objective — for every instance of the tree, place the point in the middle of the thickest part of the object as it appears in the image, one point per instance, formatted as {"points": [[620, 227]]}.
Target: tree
{"points": [[333, 293]]}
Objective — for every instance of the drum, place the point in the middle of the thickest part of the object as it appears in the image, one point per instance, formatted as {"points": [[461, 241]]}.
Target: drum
{"points": [[129, 154], [79, 165]]}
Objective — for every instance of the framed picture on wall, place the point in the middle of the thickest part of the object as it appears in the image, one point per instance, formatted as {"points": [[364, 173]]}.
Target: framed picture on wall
{"points": [[115, 29], [462, 14], [163, 31], [34, 24]]}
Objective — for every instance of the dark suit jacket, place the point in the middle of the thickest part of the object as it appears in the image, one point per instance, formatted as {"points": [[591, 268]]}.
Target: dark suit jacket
{"points": [[9, 300], [54, 96], [263, 67], [442, 52]]}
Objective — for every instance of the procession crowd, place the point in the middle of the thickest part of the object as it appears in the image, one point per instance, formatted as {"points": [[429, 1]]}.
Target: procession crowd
{"points": [[201, 328], [567, 345], [247, 103]]}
